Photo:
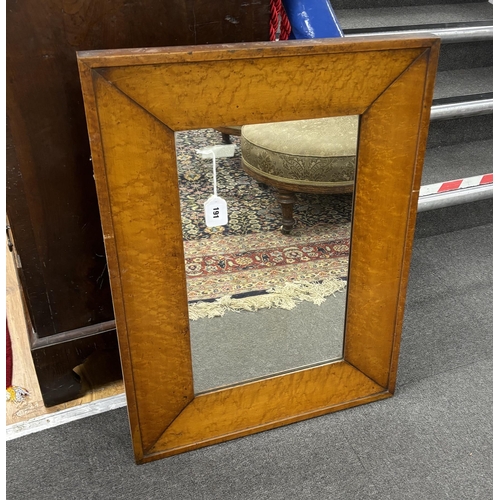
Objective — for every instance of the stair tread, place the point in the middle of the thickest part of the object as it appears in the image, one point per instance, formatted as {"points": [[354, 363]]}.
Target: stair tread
{"points": [[414, 16], [445, 163], [461, 82]]}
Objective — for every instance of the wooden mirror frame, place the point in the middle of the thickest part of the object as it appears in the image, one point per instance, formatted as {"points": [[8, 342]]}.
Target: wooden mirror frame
{"points": [[135, 100]]}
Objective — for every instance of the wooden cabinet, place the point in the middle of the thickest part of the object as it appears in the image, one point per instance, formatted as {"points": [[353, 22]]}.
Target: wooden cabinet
{"points": [[51, 200]]}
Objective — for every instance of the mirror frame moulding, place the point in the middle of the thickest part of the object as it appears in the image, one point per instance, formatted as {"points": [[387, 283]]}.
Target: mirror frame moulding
{"points": [[135, 101]]}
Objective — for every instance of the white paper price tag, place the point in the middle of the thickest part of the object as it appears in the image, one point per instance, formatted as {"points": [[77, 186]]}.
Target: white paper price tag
{"points": [[215, 211]]}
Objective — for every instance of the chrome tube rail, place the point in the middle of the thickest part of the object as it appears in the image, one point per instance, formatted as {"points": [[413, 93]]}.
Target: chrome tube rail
{"points": [[461, 109], [447, 35], [456, 197]]}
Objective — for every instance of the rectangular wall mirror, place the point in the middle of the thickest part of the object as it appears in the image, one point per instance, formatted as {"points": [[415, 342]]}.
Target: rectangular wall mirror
{"points": [[294, 307], [254, 287]]}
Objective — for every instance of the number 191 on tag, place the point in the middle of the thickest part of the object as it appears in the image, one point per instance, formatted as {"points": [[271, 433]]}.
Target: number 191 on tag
{"points": [[215, 212]]}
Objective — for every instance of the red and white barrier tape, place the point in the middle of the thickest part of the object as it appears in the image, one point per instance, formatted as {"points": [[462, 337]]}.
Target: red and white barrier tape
{"points": [[443, 187]]}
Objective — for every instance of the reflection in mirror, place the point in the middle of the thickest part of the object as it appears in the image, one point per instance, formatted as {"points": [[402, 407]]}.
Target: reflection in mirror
{"points": [[266, 290]]}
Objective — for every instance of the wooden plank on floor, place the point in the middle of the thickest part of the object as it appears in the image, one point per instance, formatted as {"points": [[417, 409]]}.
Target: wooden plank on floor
{"points": [[24, 374]]}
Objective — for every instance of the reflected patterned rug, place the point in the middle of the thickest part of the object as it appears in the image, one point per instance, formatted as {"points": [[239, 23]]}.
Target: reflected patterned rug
{"points": [[249, 264]]}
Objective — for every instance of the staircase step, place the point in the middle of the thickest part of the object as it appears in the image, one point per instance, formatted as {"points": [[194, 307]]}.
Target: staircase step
{"points": [[463, 45], [466, 159], [460, 142], [464, 55], [463, 82], [369, 18], [454, 218], [365, 4], [478, 31], [462, 107], [474, 50], [468, 129]]}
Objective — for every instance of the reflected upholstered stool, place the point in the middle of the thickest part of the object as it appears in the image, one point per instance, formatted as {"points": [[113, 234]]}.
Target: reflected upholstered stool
{"points": [[305, 156]]}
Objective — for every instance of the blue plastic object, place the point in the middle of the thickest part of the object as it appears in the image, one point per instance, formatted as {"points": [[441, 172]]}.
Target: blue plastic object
{"points": [[312, 19]]}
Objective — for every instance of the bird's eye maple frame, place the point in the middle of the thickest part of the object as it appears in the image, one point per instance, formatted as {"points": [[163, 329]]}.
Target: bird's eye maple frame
{"points": [[136, 99]]}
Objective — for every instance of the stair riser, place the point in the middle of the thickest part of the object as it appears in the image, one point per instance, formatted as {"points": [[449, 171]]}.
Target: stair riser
{"points": [[449, 132], [465, 55], [456, 218]]}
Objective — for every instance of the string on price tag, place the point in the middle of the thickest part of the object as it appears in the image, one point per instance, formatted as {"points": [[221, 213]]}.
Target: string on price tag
{"points": [[215, 206]]}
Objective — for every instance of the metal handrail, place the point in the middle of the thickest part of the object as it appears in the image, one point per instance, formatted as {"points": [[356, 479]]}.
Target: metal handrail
{"points": [[456, 197], [447, 35], [461, 109]]}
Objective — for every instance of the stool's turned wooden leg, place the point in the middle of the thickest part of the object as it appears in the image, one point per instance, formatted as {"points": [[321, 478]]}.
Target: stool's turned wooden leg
{"points": [[286, 199]]}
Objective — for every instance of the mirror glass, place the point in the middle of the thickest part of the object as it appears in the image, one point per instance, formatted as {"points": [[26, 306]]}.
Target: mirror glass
{"points": [[266, 295]]}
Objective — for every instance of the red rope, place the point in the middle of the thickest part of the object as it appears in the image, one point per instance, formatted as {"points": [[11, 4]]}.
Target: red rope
{"points": [[273, 25], [278, 10], [286, 29]]}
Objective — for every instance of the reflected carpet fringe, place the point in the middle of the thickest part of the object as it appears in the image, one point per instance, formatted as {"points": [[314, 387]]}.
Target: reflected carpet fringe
{"points": [[284, 297]]}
